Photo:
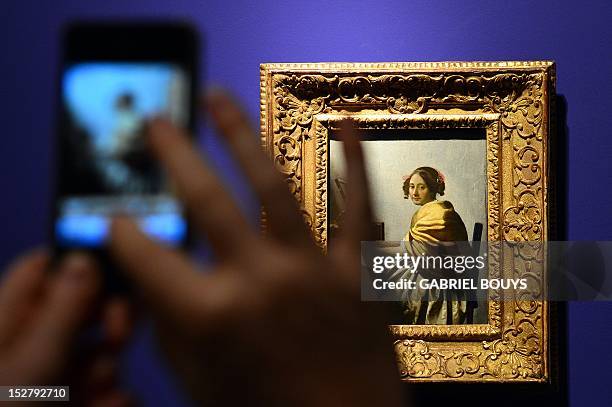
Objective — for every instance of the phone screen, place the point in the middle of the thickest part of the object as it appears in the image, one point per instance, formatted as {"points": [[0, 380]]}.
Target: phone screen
{"points": [[105, 166], [115, 76]]}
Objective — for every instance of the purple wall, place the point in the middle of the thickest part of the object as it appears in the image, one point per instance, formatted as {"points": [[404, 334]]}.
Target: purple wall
{"points": [[240, 35]]}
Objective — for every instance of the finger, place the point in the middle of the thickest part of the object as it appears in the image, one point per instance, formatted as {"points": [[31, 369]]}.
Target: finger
{"points": [[98, 377], [68, 304], [116, 323], [358, 218], [97, 383], [283, 216], [200, 384], [211, 206], [167, 279], [112, 398], [19, 290]]}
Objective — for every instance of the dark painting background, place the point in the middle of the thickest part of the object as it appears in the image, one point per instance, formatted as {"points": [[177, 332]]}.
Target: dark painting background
{"points": [[242, 34]]}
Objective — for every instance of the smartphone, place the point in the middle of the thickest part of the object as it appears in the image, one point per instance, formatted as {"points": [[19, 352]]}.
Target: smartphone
{"points": [[113, 78]]}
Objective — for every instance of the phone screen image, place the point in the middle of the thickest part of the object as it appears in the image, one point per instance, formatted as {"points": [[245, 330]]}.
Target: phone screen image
{"points": [[105, 167]]}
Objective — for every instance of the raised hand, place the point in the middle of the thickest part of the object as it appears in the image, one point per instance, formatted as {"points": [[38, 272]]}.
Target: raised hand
{"points": [[273, 321]]}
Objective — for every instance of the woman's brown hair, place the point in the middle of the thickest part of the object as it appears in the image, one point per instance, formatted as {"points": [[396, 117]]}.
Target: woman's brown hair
{"points": [[432, 177]]}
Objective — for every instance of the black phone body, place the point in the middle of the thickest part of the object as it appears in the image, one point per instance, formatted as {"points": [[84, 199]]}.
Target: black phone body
{"points": [[113, 77]]}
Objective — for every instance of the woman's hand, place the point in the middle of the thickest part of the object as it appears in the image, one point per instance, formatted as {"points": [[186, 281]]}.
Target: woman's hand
{"points": [[273, 321], [42, 315]]}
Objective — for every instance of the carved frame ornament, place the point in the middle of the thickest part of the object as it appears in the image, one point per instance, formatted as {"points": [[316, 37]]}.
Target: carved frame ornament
{"points": [[302, 103]]}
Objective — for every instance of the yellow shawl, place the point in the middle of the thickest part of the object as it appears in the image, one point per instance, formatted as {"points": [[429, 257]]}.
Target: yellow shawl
{"points": [[434, 227], [436, 222]]}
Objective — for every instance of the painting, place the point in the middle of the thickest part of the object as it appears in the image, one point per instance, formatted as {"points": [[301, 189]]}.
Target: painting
{"points": [[426, 186], [462, 146]]}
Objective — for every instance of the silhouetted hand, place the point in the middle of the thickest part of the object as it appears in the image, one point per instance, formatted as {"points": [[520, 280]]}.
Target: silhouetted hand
{"points": [[274, 321], [41, 317]]}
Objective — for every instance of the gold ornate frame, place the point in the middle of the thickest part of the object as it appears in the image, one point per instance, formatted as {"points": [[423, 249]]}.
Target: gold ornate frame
{"points": [[302, 103]]}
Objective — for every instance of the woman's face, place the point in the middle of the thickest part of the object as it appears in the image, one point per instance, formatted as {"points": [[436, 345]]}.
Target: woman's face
{"points": [[418, 190]]}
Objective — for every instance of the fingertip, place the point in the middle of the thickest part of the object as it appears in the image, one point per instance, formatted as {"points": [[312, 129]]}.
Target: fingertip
{"points": [[226, 113], [130, 247], [346, 123], [71, 295], [78, 271], [78, 261], [121, 223], [163, 135], [124, 232], [348, 135], [40, 253], [122, 227], [215, 97], [117, 322], [32, 261], [156, 130]]}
